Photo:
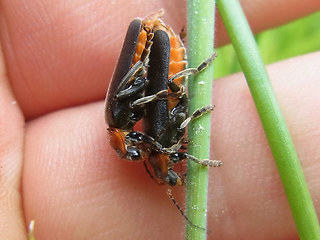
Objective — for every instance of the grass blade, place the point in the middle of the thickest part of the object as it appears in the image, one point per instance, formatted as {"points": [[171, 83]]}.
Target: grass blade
{"points": [[200, 45], [272, 120]]}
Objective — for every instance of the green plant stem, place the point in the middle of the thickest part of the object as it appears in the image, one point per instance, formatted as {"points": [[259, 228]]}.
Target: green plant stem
{"points": [[272, 120], [200, 46]]}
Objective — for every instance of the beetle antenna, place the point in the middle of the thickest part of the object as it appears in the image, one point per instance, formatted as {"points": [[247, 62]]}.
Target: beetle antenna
{"points": [[169, 193]]}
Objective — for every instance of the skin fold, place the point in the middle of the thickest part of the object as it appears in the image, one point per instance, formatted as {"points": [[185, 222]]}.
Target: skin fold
{"points": [[57, 167]]}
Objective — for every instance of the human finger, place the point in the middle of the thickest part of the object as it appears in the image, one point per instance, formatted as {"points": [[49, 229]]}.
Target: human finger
{"points": [[62, 54], [76, 187]]}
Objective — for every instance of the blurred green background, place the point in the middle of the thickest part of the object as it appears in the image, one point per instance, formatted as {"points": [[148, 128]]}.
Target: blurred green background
{"points": [[295, 38]]}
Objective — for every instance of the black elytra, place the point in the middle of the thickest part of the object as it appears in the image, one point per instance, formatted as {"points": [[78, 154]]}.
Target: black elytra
{"points": [[118, 113], [157, 112]]}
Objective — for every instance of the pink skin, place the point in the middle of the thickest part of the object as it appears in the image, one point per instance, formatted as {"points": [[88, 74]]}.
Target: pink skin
{"points": [[57, 168]]}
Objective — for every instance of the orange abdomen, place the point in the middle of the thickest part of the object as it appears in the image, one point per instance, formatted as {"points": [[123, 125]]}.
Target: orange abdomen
{"points": [[177, 64]]}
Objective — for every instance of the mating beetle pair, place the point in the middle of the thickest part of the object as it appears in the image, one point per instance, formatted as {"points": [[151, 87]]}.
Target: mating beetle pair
{"points": [[148, 84]]}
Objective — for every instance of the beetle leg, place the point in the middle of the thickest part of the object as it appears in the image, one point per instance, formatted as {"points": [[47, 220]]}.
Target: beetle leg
{"points": [[161, 95], [137, 70], [191, 71], [142, 141], [180, 156], [137, 86], [204, 162], [197, 113], [177, 91]]}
